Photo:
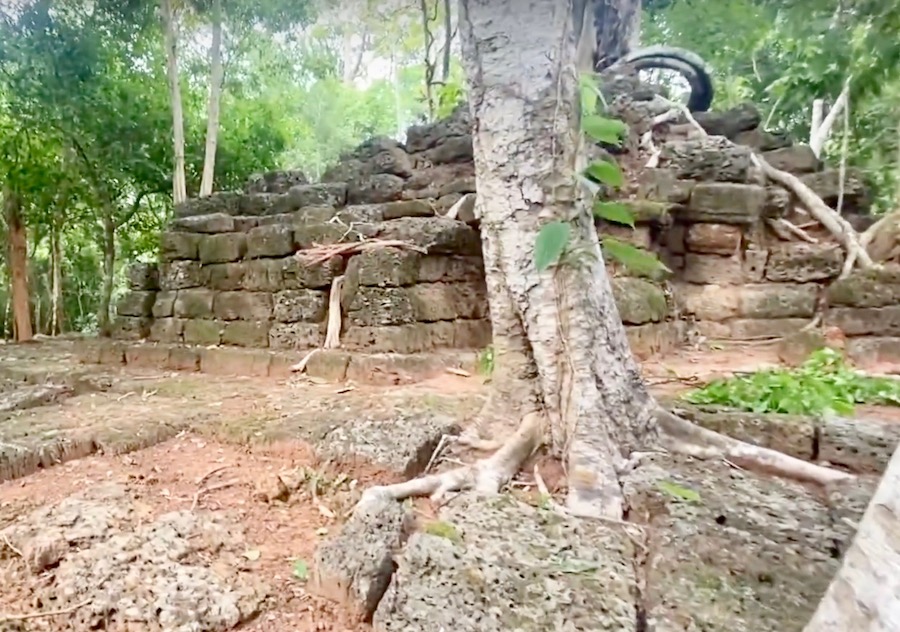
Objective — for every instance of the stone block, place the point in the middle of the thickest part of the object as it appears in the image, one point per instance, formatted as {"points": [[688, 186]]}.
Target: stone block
{"points": [[147, 356], [802, 262], [434, 268], [232, 361], [261, 275], [143, 277], [639, 236], [392, 369], [274, 181], [355, 567], [662, 185], [291, 306], [861, 445], [871, 351], [136, 303], [203, 332], [712, 269], [796, 159], [829, 185], [296, 336], [725, 203], [407, 208], [164, 305], [257, 204], [180, 275], [674, 239], [376, 307], [436, 235], [754, 265], [385, 267], [778, 202], [865, 321], [471, 334], [167, 330], [178, 245], [245, 333], [778, 301], [270, 241], [194, 303], [331, 194], [328, 365], [220, 202], [653, 339], [713, 239], [461, 185], [243, 306], [794, 347], [448, 301], [752, 328], [712, 158], [450, 150], [130, 327], [761, 140], [294, 274], [184, 359], [223, 248], [639, 301], [708, 302], [111, 352], [419, 337], [224, 276], [866, 289], [209, 224], [244, 223], [731, 122], [307, 236]]}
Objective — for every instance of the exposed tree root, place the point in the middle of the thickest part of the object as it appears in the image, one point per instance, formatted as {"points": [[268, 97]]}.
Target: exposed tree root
{"points": [[322, 253], [786, 231], [333, 333]]}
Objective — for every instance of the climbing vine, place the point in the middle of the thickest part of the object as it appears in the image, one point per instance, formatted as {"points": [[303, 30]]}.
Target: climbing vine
{"points": [[553, 241]]}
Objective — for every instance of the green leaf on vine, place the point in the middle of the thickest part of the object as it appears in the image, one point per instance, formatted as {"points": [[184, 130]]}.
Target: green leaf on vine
{"points": [[604, 130], [606, 172], [615, 212], [634, 259], [550, 244]]}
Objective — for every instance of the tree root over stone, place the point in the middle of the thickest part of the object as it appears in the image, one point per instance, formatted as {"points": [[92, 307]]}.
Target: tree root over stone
{"points": [[488, 475]]}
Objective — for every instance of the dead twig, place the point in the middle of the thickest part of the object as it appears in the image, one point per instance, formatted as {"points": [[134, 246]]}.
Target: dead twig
{"points": [[12, 548], [212, 488], [211, 473], [6, 617]]}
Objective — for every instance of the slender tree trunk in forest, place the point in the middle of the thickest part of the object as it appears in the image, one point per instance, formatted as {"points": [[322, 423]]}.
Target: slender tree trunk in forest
{"points": [[448, 42], [865, 594], [109, 270], [17, 258], [57, 313], [215, 94], [179, 186]]}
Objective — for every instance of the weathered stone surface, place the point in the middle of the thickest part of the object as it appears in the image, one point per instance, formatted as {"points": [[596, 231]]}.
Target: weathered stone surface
{"points": [[179, 245], [536, 583], [778, 202], [419, 337], [434, 268], [827, 185], [707, 302], [136, 304], [712, 158], [865, 321], [355, 567], [639, 301], [332, 194], [448, 301], [858, 444], [274, 181], [866, 288], [794, 348], [761, 140], [147, 356], [724, 203], [196, 303], [407, 208], [663, 185], [730, 123], [450, 149], [712, 269], [778, 301], [429, 181], [437, 235], [293, 306], [143, 277], [227, 202], [376, 307], [294, 274], [309, 235], [652, 339], [422, 137], [872, 351], [131, 327], [755, 261], [715, 239], [180, 275], [164, 305], [223, 248], [244, 333], [203, 331], [235, 361], [385, 267], [796, 159], [166, 330], [212, 223], [270, 241], [802, 262], [298, 336], [382, 187], [261, 275], [224, 276], [757, 328], [243, 306]]}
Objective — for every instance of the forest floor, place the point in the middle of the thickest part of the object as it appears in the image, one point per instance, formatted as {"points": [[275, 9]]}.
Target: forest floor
{"points": [[185, 447]]}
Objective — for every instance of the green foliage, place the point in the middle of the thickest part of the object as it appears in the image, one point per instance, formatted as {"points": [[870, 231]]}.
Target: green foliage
{"points": [[485, 362], [300, 570], [823, 383], [678, 492], [614, 212], [550, 244], [444, 530]]}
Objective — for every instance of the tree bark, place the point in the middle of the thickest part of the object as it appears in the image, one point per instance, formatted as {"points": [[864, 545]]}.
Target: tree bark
{"points": [[863, 597], [216, 75], [448, 42], [57, 311], [560, 346], [109, 271], [18, 266], [617, 25], [179, 186]]}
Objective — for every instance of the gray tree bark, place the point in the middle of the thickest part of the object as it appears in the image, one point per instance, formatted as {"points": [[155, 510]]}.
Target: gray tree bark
{"points": [[179, 185]]}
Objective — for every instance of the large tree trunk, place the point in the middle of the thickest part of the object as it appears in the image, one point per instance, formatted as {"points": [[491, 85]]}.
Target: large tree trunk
{"points": [[179, 186], [560, 346], [617, 26], [17, 258], [215, 95], [109, 271], [865, 594]]}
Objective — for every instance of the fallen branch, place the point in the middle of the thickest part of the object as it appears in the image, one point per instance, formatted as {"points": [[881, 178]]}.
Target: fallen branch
{"points": [[321, 253], [211, 488], [785, 230], [6, 617]]}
